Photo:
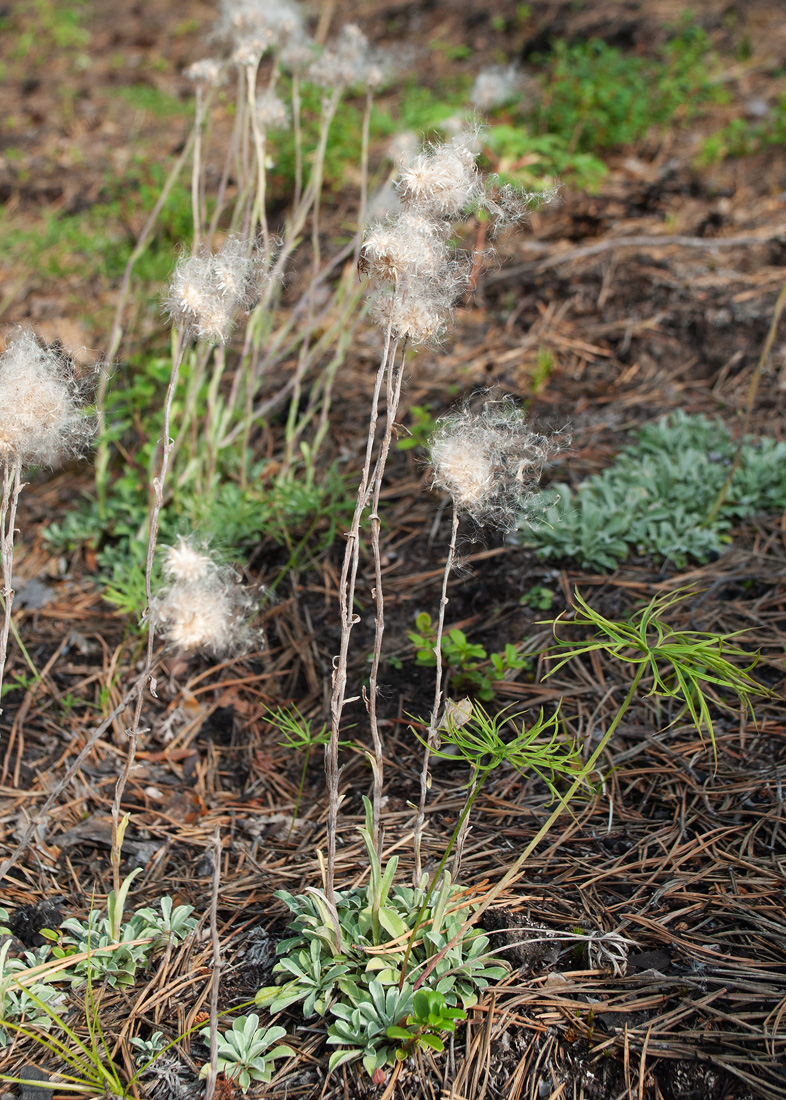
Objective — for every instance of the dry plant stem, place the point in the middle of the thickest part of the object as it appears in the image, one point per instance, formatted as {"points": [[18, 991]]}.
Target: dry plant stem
{"points": [[231, 155], [215, 981], [72, 770], [346, 597], [363, 174], [462, 836], [120, 786], [298, 131], [12, 487], [753, 388], [258, 211], [395, 377], [435, 709], [117, 324], [196, 170], [515, 869], [158, 495]]}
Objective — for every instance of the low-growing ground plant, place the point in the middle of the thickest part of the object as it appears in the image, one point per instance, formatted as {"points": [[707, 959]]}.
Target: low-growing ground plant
{"points": [[390, 968], [658, 497], [473, 670]]}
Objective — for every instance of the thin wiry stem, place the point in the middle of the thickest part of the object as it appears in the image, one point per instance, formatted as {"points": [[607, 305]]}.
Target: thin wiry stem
{"points": [[564, 799], [12, 487], [434, 719], [258, 211], [196, 170], [158, 501], [167, 446], [395, 377], [346, 596], [298, 133], [364, 173], [215, 980]]}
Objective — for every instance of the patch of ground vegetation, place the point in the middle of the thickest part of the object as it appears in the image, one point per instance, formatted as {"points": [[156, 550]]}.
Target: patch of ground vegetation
{"points": [[544, 856]]}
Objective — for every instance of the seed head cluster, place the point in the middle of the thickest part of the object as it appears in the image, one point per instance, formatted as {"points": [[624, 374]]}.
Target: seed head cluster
{"points": [[496, 86], [417, 276], [42, 418], [350, 62], [203, 605], [208, 72], [272, 113], [489, 461], [207, 290], [254, 27]]}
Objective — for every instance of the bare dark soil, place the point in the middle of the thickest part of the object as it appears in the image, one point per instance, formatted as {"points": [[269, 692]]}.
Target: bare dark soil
{"points": [[685, 860]]}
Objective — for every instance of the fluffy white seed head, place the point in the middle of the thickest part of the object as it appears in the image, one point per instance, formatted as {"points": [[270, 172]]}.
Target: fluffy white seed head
{"points": [[348, 62], [206, 290], [443, 180], [495, 86], [209, 72], [183, 562], [403, 247], [204, 605], [419, 312], [490, 461], [468, 475], [259, 25], [41, 403], [298, 54], [272, 112]]}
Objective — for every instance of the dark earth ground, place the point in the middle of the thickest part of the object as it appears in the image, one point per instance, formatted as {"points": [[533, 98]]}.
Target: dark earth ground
{"points": [[685, 861]]}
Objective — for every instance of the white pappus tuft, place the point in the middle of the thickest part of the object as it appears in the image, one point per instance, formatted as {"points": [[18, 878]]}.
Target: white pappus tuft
{"points": [[204, 605], [42, 418], [496, 86], [206, 290], [490, 461]]}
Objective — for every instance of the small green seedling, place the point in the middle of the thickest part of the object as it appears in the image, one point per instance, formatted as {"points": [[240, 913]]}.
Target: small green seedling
{"points": [[431, 1015]]}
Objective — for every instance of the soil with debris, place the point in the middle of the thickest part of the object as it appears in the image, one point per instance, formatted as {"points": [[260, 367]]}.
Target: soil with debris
{"points": [[684, 860]]}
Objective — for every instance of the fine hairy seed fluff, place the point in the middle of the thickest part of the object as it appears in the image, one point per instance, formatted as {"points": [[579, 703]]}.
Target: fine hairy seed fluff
{"points": [[208, 71], [203, 605], [256, 26], [443, 180], [206, 290], [495, 86], [272, 113], [490, 461], [42, 417]]}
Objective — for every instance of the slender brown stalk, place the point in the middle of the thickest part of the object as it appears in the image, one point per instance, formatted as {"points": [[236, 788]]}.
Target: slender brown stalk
{"points": [[346, 596], [215, 980], [364, 173], [395, 377], [196, 170], [12, 487], [433, 726]]}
